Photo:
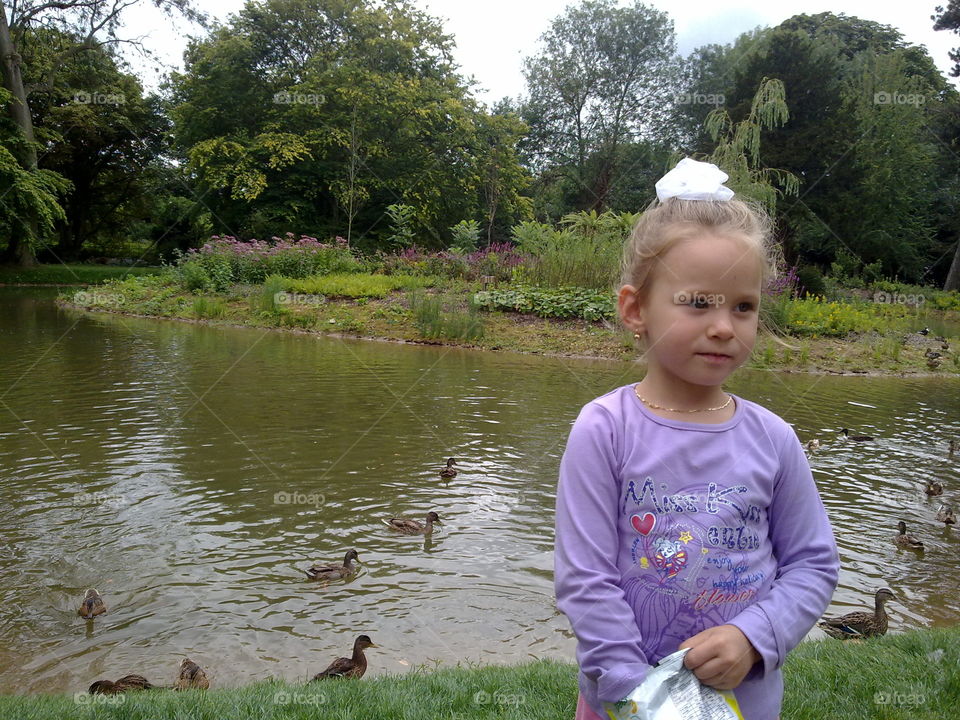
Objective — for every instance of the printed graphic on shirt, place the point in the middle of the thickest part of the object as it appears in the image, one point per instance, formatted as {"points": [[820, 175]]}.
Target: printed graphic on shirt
{"points": [[693, 554]]}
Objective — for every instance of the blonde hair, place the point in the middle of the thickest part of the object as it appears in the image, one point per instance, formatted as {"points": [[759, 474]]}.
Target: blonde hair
{"points": [[662, 225]]}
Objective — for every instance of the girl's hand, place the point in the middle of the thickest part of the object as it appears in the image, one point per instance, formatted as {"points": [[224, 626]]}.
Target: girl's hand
{"points": [[720, 656]]}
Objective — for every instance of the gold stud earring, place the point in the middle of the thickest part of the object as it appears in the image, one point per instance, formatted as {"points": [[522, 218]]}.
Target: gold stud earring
{"points": [[636, 336]]}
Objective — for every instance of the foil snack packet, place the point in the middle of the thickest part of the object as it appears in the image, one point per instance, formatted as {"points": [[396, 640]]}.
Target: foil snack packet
{"points": [[672, 692]]}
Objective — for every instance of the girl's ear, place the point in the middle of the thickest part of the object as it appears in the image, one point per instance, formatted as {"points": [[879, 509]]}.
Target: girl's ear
{"points": [[631, 310]]}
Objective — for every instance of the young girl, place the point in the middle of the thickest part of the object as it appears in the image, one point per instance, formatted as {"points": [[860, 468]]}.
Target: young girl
{"points": [[688, 517]]}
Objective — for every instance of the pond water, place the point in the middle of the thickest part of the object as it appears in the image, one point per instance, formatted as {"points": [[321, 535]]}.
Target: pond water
{"points": [[190, 472]]}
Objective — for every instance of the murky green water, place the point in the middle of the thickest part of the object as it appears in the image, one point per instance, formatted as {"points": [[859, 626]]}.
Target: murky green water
{"points": [[150, 459]]}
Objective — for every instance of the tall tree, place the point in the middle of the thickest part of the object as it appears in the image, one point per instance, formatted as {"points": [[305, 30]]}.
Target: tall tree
{"points": [[95, 23], [606, 77]]}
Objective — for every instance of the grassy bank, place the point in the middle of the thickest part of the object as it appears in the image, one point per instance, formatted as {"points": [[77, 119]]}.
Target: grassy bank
{"points": [[70, 274], [915, 676], [441, 310]]}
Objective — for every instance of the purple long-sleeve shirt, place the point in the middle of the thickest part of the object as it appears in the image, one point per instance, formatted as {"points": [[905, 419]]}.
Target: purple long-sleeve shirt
{"points": [[665, 528]]}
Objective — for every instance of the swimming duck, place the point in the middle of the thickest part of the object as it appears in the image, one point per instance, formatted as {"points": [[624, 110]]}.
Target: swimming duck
{"points": [[191, 677], [945, 515], [954, 446], [125, 684], [860, 624], [92, 605], [332, 571], [857, 438], [906, 541], [449, 471], [813, 445], [933, 488], [351, 667], [414, 527]]}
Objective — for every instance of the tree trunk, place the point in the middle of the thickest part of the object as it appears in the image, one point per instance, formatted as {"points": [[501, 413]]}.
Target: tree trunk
{"points": [[18, 248], [953, 277]]}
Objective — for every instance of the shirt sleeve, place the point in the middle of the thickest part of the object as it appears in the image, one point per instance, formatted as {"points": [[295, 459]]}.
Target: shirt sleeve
{"points": [[586, 576], [807, 562]]}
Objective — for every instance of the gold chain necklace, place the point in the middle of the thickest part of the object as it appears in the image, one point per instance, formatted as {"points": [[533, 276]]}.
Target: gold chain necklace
{"points": [[646, 402]]}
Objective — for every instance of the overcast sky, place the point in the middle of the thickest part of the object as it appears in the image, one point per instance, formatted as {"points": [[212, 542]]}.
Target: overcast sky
{"points": [[493, 37]]}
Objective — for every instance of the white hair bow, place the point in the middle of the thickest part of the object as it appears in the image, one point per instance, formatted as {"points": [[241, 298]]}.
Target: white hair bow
{"points": [[694, 180]]}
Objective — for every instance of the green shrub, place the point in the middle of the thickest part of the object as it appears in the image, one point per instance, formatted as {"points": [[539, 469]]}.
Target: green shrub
{"points": [[563, 302], [204, 307], [466, 236], [811, 280], [401, 225], [434, 318]]}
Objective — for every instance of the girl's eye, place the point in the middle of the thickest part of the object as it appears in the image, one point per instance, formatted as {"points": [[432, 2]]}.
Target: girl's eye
{"points": [[699, 303], [745, 307]]}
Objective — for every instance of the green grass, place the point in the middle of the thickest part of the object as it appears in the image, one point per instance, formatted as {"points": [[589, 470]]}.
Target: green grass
{"points": [[913, 676], [76, 274], [356, 285]]}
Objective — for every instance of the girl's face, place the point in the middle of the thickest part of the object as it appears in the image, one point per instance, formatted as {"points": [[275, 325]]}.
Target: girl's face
{"points": [[699, 312]]}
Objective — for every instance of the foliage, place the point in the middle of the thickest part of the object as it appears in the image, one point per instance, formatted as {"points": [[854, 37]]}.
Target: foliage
{"points": [[356, 285], [223, 261], [435, 318], [348, 107], [586, 253], [563, 302], [466, 235], [949, 19], [401, 225], [69, 274], [602, 80], [810, 280], [497, 260]]}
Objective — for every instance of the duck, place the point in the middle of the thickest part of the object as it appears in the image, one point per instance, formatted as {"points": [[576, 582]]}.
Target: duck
{"points": [[92, 605], [925, 331], [906, 541], [813, 445], [407, 526], [191, 677], [934, 363], [351, 667], [449, 471], [953, 447], [945, 515], [933, 488], [332, 571], [856, 438], [860, 624], [125, 684], [928, 353]]}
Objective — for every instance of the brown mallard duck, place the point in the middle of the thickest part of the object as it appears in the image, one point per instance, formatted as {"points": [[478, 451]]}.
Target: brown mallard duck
{"points": [[127, 683], [351, 667], [934, 362], [954, 446], [856, 438], [191, 677], [934, 488], [813, 445], [406, 526], [333, 571], [945, 515], [904, 540], [860, 624], [449, 471], [92, 605]]}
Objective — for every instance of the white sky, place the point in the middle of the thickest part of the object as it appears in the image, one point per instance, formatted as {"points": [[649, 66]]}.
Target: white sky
{"points": [[493, 37]]}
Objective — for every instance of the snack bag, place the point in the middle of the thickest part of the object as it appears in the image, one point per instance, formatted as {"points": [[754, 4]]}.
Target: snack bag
{"points": [[672, 692]]}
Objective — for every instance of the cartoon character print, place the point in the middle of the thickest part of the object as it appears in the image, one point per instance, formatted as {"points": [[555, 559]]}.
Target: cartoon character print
{"points": [[669, 557]]}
